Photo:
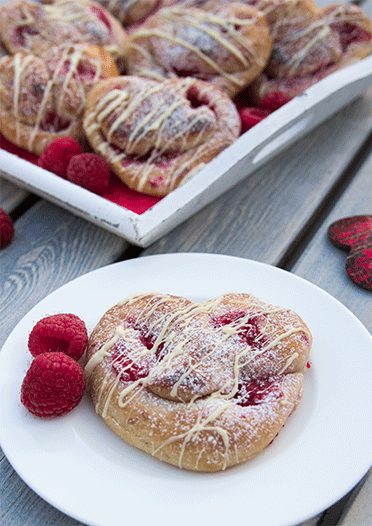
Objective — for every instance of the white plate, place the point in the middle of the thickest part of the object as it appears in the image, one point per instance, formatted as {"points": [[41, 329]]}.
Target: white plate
{"points": [[78, 465]]}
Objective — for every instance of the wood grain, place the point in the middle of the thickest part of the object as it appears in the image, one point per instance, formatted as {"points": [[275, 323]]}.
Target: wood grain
{"points": [[263, 215], [324, 264], [359, 510], [50, 247], [260, 219]]}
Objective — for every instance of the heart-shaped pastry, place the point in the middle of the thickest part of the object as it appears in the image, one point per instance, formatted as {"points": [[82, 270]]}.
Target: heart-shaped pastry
{"points": [[309, 44], [31, 27], [202, 386], [43, 98], [228, 47], [155, 135], [355, 234]]}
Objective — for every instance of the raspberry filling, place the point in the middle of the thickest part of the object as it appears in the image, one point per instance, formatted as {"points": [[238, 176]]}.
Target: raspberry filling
{"points": [[20, 35], [54, 123], [83, 70], [146, 337], [161, 160], [195, 98], [249, 331], [350, 34], [101, 15], [258, 391], [130, 370], [158, 181]]}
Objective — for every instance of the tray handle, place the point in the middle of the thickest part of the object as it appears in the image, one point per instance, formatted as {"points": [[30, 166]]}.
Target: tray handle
{"points": [[284, 138]]}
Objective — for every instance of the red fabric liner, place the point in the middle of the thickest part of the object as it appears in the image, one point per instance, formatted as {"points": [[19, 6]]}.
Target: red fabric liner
{"points": [[117, 191]]}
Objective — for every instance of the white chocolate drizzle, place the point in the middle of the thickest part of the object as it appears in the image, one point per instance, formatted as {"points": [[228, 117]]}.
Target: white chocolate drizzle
{"points": [[177, 329], [121, 108], [68, 55], [238, 46]]}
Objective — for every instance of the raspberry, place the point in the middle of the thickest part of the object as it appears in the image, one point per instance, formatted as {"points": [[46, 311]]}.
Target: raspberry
{"points": [[58, 154], [252, 116], [273, 101], [90, 171], [65, 333], [54, 384], [6, 229]]}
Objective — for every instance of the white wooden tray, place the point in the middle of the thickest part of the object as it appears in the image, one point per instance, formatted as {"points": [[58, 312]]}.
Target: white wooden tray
{"points": [[275, 133]]}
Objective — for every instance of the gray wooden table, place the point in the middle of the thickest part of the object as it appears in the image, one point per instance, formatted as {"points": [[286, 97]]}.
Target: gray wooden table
{"points": [[279, 216]]}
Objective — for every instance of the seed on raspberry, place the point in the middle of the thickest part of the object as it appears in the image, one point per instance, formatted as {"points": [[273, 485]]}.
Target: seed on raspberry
{"points": [[89, 170], [58, 154], [6, 229], [65, 333], [53, 386]]}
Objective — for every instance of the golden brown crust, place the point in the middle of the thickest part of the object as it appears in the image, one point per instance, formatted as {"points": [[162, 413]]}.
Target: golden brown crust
{"points": [[157, 134], [309, 45], [307, 40], [228, 47], [200, 386], [354, 28], [3, 51], [43, 98], [31, 27]]}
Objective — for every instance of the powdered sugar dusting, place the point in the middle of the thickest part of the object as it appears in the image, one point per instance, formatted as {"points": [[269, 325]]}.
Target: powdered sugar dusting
{"points": [[212, 382]]}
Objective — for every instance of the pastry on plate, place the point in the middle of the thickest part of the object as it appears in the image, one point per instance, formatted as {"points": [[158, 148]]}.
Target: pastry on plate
{"points": [[30, 27], [228, 47], [43, 98], [155, 135], [202, 386]]}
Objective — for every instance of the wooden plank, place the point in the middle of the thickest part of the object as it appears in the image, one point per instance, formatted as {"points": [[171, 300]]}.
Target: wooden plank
{"points": [[20, 506], [50, 247], [359, 510], [259, 217], [324, 265], [240, 223]]}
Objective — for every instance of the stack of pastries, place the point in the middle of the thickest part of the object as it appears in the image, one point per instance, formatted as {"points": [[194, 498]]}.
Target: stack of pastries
{"points": [[153, 85]]}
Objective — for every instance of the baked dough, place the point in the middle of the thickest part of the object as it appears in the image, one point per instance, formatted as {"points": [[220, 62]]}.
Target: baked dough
{"points": [[354, 29], [130, 11], [309, 44], [228, 47], [126, 11], [31, 27], [43, 98], [200, 386], [155, 135]]}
